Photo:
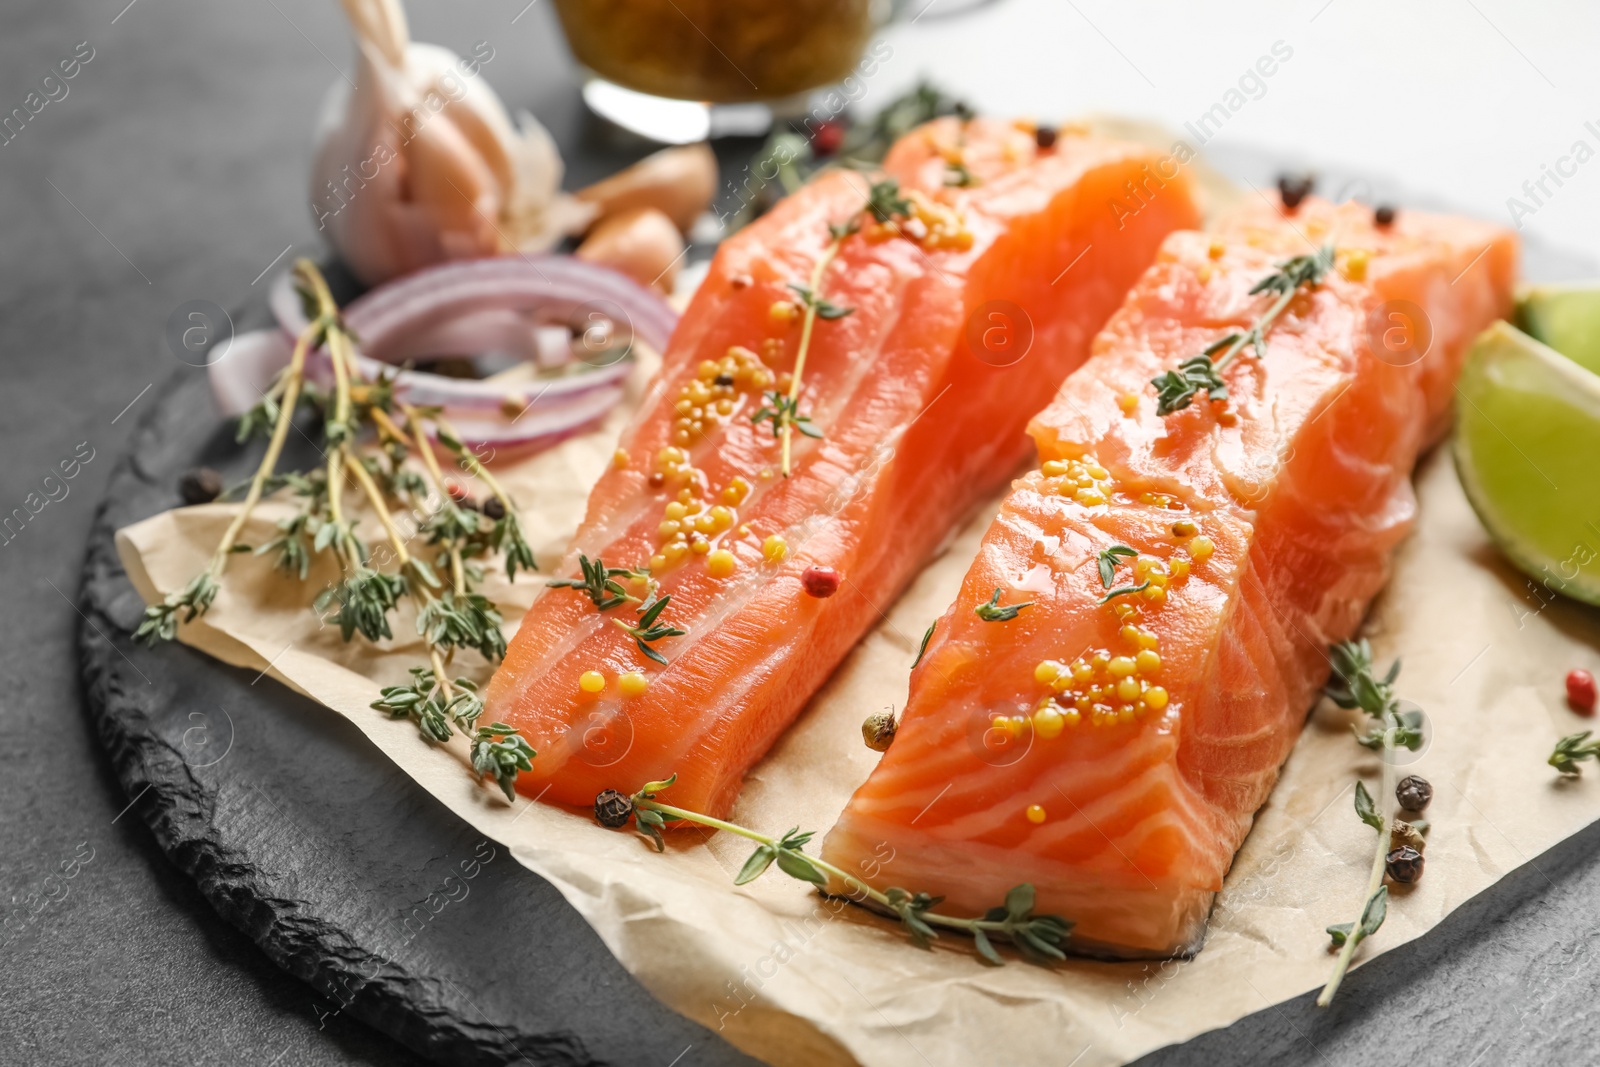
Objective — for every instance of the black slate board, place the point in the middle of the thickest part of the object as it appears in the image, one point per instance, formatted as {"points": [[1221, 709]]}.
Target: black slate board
{"points": [[352, 878], [305, 837]]}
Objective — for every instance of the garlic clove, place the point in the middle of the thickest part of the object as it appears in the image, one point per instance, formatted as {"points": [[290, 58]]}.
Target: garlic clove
{"points": [[677, 181], [642, 243]]}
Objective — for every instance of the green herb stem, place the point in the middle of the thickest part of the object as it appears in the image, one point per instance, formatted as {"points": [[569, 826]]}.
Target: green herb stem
{"points": [[458, 576], [807, 324], [1374, 880], [293, 379], [859, 887]]}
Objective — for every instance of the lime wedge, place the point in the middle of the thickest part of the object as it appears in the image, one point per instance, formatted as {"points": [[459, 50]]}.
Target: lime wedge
{"points": [[1527, 450], [1565, 317]]}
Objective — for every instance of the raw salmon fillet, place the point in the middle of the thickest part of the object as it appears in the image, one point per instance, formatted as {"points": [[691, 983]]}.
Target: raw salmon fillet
{"points": [[1114, 754], [915, 429]]}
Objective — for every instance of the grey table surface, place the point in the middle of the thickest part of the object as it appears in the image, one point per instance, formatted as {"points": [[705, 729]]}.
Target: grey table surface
{"points": [[172, 170]]}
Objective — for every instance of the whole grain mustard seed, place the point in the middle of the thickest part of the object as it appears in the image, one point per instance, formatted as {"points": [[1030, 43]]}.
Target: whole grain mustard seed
{"points": [[1355, 265], [592, 682], [774, 549], [619, 459], [633, 684], [1036, 814], [721, 564]]}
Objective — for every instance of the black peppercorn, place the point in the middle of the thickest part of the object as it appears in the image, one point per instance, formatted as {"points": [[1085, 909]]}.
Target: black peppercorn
{"points": [[201, 485], [722, 379], [1413, 793], [1405, 864], [1044, 136], [1295, 189], [1384, 216], [613, 809], [494, 509]]}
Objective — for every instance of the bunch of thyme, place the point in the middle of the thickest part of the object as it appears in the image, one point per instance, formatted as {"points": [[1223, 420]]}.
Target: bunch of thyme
{"points": [[1037, 937], [1356, 684], [450, 614], [1176, 388]]}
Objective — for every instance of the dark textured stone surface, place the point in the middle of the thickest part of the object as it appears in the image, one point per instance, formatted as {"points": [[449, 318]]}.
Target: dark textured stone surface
{"points": [[305, 837]]}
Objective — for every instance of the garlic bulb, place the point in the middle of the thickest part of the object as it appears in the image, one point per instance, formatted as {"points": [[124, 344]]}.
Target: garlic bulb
{"points": [[420, 163]]}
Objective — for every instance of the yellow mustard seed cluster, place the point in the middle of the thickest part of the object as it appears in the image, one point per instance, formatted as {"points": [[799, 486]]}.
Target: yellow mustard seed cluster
{"points": [[715, 391], [931, 224], [1102, 687], [1082, 479], [689, 526]]}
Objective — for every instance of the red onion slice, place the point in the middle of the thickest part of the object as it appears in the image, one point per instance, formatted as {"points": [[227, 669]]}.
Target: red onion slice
{"points": [[523, 305]]}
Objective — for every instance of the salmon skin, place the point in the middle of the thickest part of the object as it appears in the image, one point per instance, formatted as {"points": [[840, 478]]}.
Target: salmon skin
{"points": [[919, 380], [1113, 752]]}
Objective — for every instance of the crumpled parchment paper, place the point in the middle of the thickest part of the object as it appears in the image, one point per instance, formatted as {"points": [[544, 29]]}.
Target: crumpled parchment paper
{"points": [[798, 979]]}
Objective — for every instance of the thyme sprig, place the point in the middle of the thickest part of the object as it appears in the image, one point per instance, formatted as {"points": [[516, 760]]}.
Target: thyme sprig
{"points": [[884, 203], [599, 582], [993, 612], [649, 629], [160, 621], [499, 750], [1357, 684], [426, 703], [1175, 389], [1572, 750], [1037, 937]]}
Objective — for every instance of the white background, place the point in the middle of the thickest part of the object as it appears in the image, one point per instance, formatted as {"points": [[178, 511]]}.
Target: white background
{"points": [[1465, 99]]}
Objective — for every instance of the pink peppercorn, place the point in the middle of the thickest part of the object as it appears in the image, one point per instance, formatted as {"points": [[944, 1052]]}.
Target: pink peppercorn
{"points": [[820, 581], [1580, 691]]}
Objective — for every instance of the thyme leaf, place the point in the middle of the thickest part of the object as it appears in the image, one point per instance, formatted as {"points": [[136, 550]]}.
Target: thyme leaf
{"points": [[825, 309], [922, 649], [1106, 559], [1124, 590], [499, 750], [784, 412], [993, 612], [884, 202]]}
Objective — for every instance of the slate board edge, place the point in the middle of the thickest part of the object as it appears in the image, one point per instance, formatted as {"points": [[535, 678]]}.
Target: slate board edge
{"points": [[178, 809]]}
